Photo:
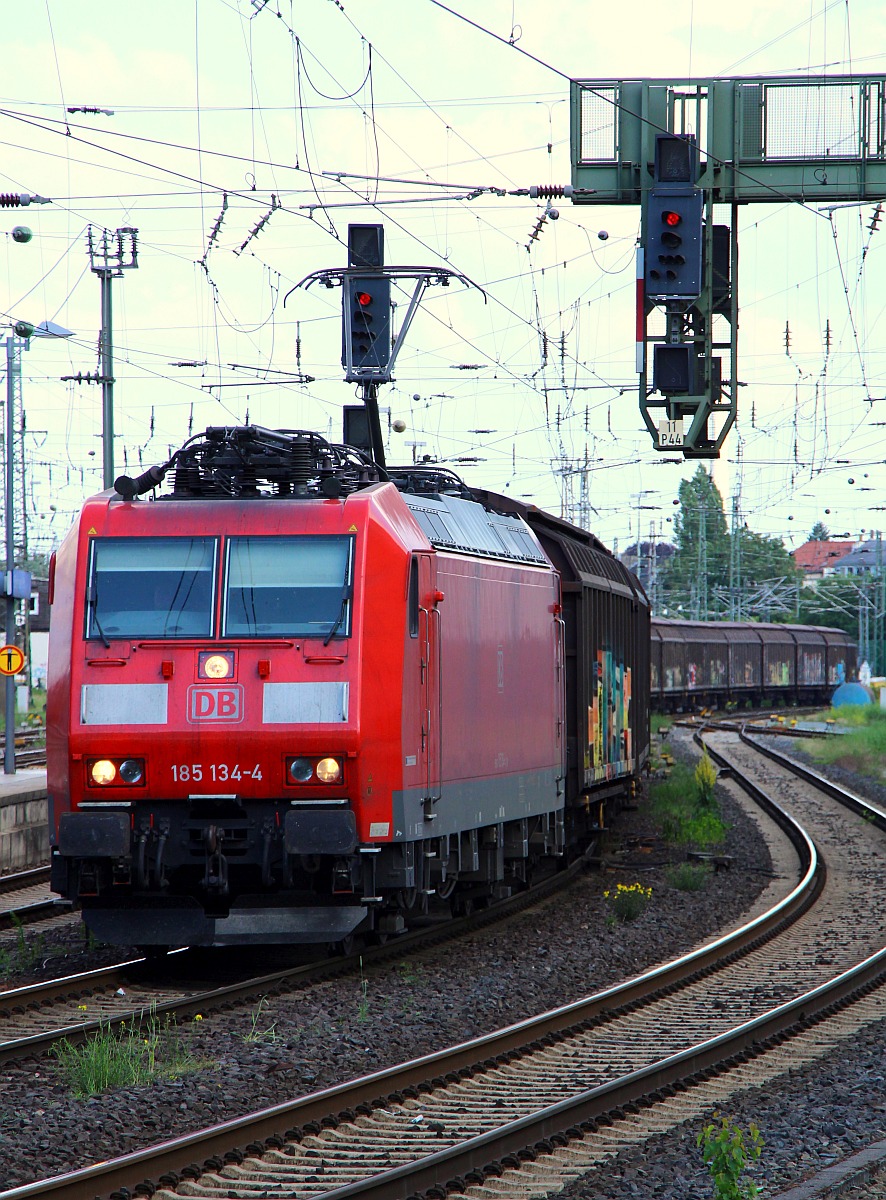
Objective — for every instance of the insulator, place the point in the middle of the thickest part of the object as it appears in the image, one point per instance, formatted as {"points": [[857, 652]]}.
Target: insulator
{"points": [[553, 191], [10, 200], [302, 462]]}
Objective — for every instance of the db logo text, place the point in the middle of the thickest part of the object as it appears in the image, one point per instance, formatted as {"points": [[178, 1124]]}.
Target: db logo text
{"points": [[215, 703]]}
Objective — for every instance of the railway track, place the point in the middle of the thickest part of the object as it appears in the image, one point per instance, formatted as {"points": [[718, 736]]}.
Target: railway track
{"points": [[27, 752], [25, 897], [794, 723], [544, 1100], [35, 1017]]}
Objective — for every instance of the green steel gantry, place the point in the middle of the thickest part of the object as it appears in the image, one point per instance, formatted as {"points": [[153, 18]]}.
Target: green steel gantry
{"points": [[770, 140]]}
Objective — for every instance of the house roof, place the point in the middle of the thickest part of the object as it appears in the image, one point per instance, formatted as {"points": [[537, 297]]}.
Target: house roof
{"points": [[867, 556], [814, 556]]}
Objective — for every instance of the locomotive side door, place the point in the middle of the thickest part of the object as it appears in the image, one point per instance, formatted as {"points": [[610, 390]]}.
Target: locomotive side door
{"points": [[429, 667]]}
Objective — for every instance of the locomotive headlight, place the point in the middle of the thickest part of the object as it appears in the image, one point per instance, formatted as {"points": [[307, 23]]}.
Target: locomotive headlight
{"points": [[115, 772], [301, 770], [132, 770], [103, 772], [215, 666], [329, 770]]}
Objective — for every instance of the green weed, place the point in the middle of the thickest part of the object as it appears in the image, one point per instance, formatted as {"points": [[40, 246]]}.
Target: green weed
{"points": [[26, 953], [863, 749], [255, 1034], [627, 901], [135, 1053], [658, 723], [688, 876], [683, 817], [363, 1002], [408, 973], [727, 1151], [705, 780]]}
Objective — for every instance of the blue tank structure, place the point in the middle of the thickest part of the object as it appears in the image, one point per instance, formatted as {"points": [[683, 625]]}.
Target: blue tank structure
{"points": [[852, 693]]}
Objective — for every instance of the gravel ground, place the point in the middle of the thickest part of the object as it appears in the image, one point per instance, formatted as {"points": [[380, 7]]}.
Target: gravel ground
{"points": [[810, 1119], [293, 1045]]}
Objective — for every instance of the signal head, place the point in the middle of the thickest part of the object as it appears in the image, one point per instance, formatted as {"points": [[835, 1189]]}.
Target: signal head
{"points": [[674, 241]]}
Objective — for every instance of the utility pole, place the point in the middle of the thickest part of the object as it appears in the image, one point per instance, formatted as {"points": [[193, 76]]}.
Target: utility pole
{"points": [[700, 606], [641, 507], [864, 626], [109, 256], [14, 348], [735, 605], [876, 665], [654, 534]]}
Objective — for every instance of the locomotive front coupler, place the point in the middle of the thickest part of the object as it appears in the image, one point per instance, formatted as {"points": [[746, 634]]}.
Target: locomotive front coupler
{"points": [[215, 876], [147, 836], [159, 873], [345, 876], [269, 835]]}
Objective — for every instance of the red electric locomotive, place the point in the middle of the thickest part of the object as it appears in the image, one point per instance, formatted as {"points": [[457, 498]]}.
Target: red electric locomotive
{"points": [[298, 695]]}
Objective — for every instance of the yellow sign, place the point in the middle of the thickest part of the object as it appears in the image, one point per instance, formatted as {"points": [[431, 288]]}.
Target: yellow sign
{"points": [[11, 660]]}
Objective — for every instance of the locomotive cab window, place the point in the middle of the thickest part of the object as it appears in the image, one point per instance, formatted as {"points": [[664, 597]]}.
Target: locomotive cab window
{"points": [[289, 587], [412, 598], [150, 587]]}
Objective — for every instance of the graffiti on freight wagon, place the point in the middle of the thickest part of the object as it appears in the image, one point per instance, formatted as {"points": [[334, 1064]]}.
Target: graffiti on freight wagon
{"points": [[609, 749]]}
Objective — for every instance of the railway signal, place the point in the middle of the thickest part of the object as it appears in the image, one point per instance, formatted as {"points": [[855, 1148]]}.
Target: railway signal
{"points": [[674, 369], [366, 303], [674, 279], [366, 307], [674, 221], [369, 349], [753, 144], [674, 244]]}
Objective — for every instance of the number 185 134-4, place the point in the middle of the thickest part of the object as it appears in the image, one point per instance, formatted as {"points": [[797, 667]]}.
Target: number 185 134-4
{"points": [[217, 772]]}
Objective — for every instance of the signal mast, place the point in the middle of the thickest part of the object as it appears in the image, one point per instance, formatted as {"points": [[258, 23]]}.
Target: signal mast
{"points": [[369, 346]]}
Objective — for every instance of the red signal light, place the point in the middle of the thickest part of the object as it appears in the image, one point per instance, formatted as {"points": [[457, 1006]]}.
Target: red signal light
{"points": [[671, 218], [363, 298]]}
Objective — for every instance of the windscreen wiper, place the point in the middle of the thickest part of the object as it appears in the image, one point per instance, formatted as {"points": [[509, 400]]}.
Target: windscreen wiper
{"points": [[346, 591], [341, 616], [92, 601]]}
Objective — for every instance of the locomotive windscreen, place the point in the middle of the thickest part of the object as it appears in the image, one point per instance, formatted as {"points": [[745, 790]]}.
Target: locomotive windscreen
{"points": [[150, 587], [288, 586], [165, 587]]}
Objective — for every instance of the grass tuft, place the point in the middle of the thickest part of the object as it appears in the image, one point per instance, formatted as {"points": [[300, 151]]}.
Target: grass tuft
{"points": [[863, 750], [688, 876], [135, 1053], [683, 814]]}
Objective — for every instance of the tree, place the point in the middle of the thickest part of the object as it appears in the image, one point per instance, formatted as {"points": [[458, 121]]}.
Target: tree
{"points": [[38, 565], [834, 602], [715, 574], [702, 541], [766, 560], [820, 533]]}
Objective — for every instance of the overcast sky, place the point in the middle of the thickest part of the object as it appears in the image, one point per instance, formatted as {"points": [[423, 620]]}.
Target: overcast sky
{"points": [[321, 112]]}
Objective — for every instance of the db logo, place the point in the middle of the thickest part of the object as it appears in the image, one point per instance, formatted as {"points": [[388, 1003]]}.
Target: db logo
{"points": [[215, 703]]}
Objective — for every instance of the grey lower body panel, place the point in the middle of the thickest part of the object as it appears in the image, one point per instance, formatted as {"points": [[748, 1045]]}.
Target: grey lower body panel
{"points": [[474, 803], [188, 925]]}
